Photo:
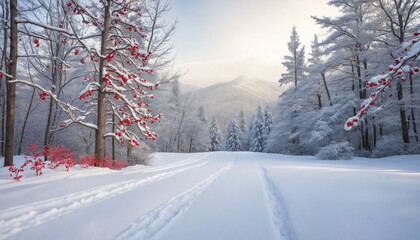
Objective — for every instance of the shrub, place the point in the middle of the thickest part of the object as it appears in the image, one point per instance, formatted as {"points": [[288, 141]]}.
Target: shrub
{"points": [[59, 156], [336, 151], [34, 158], [14, 170], [106, 162], [87, 161], [119, 164]]}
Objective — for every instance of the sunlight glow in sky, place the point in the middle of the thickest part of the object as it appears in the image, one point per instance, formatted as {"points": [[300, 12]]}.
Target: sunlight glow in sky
{"points": [[217, 40]]}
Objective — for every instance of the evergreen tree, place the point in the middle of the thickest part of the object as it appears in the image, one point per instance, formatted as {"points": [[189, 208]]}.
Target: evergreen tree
{"points": [[242, 122], [268, 120], [295, 62], [257, 136], [243, 127], [233, 137], [214, 137]]}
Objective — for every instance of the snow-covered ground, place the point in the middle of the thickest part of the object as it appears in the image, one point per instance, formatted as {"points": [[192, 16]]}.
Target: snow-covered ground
{"points": [[218, 196]]}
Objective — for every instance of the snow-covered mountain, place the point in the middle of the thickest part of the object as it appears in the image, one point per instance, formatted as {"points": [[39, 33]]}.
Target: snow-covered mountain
{"points": [[241, 93]]}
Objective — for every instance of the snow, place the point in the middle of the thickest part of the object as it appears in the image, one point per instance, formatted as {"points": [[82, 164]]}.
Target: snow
{"points": [[217, 195]]}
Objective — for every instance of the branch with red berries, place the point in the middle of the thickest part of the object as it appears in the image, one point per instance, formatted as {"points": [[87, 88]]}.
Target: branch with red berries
{"points": [[66, 107], [403, 67]]}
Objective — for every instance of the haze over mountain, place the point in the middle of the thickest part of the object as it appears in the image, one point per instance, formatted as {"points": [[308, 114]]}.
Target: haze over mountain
{"points": [[241, 93]]}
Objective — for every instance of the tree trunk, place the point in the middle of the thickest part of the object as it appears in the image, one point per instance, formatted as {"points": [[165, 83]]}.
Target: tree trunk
{"points": [[113, 139], [367, 136], [361, 132], [3, 123], [191, 140], [101, 117], [374, 133], [22, 133], [3, 66], [47, 129], [404, 126], [413, 118], [11, 87], [319, 101], [128, 153], [326, 88]]}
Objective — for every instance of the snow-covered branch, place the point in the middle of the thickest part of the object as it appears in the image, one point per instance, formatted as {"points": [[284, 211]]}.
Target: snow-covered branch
{"points": [[398, 72]]}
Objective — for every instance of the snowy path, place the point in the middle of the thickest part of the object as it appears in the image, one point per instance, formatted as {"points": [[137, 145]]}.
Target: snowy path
{"points": [[219, 196]]}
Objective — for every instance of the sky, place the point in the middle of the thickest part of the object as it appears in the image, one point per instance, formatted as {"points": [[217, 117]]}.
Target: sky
{"points": [[218, 40]]}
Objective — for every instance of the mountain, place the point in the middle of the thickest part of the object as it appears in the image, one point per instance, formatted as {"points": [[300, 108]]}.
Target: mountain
{"points": [[241, 93]]}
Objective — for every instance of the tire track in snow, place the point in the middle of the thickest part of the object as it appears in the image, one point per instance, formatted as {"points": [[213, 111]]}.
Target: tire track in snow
{"points": [[170, 165], [275, 207], [155, 223], [19, 218]]}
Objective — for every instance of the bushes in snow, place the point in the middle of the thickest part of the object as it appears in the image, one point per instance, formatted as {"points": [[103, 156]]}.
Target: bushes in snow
{"points": [[60, 156], [336, 151]]}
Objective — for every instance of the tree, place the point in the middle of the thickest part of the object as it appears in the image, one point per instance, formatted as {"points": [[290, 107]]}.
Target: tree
{"points": [[3, 70], [242, 122], [11, 86], [317, 71], [382, 83], [400, 17], [120, 86], [350, 42], [233, 137], [295, 62], [268, 120], [215, 139], [257, 136]]}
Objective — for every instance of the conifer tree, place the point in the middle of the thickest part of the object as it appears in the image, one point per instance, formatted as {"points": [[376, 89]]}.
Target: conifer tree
{"points": [[233, 137], [295, 62], [268, 120], [214, 137], [257, 138], [242, 122]]}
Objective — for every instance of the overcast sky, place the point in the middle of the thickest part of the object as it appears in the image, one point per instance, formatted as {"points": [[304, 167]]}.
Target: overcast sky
{"points": [[217, 40]]}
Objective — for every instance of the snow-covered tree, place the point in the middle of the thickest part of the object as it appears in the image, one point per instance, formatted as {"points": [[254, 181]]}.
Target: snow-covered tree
{"points": [[257, 139], [10, 76], [215, 139], [268, 120], [317, 71], [242, 122], [233, 137], [381, 84], [243, 126], [121, 84], [295, 62]]}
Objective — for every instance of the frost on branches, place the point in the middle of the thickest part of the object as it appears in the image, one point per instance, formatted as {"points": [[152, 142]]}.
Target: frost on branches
{"points": [[233, 137], [121, 79], [257, 133], [110, 40], [380, 84], [215, 139]]}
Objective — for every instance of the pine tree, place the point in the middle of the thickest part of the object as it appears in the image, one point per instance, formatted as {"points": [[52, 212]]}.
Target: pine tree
{"points": [[233, 137], [268, 120], [257, 136], [242, 122], [295, 62], [214, 137]]}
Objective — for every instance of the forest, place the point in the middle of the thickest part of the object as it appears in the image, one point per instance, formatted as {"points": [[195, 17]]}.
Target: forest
{"points": [[98, 78], [103, 136]]}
